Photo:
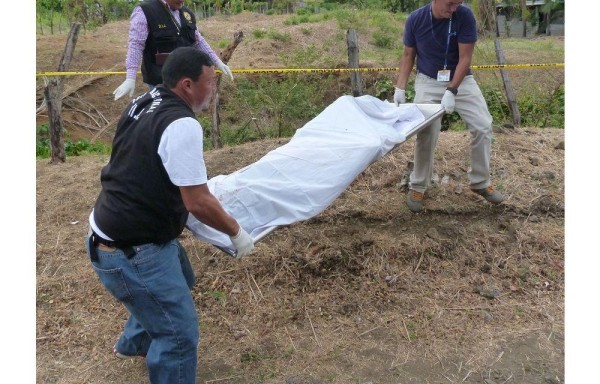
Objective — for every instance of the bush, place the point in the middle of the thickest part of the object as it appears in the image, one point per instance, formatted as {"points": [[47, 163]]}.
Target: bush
{"points": [[384, 89], [543, 111]]}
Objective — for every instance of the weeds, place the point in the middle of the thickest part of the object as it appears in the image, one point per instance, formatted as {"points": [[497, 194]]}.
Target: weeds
{"points": [[271, 33], [288, 102], [72, 148]]}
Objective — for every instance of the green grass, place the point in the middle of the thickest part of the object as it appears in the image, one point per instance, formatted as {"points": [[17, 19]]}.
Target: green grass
{"points": [[272, 34], [301, 19], [519, 51], [72, 148], [221, 44]]}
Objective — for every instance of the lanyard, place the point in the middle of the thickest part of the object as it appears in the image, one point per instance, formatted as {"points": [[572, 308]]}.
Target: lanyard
{"points": [[450, 33], [448, 42], [172, 17]]}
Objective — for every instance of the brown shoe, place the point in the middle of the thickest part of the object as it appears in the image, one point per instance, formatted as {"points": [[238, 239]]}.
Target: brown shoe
{"points": [[490, 194], [414, 200]]}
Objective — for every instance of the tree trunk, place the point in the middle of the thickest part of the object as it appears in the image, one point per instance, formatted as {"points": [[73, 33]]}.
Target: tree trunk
{"points": [[524, 17], [53, 94], [497, 27], [486, 13]]}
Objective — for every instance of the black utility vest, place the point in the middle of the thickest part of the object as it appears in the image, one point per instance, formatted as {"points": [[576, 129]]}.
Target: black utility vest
{"points": [[138, 203], [164, 35]]}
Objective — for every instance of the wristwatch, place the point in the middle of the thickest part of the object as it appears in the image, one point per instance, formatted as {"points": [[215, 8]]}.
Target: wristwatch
{"points": [[453, 90]]}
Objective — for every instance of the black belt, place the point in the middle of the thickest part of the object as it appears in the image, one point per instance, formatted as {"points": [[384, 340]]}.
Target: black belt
{"points": [[96, 239]]}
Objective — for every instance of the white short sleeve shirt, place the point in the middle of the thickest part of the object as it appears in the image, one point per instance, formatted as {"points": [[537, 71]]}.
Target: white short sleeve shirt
{"points": [[182, 153]]}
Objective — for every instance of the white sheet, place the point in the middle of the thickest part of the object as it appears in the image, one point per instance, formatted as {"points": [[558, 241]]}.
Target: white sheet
{"points": [[300, 179]]}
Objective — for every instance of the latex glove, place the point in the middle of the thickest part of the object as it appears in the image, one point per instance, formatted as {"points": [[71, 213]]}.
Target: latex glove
{"points": [[127, 87], [448, 101], [244, 244], [399, 96], [224, 68]]}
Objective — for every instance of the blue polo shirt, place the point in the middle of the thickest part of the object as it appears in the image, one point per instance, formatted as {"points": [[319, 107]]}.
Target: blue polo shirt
{"points": [[429, 36]]}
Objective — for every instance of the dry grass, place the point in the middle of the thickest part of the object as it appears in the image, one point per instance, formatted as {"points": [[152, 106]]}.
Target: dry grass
{"points": [[365, 291]]}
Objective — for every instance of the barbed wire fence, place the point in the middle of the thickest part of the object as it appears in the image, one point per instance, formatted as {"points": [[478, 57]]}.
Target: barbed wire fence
{"points": [[274, 102]]}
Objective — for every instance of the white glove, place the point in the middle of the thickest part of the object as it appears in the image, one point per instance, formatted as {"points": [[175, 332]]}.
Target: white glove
{"points": [[224, 68], [399, 96], [128, 86], [243, 243], [448, 101]]}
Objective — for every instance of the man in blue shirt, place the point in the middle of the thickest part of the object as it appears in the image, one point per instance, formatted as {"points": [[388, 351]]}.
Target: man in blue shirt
{"points": [[441, 37]]}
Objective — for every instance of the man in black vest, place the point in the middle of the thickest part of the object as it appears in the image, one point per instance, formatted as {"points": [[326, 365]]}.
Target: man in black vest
{"points": [[156, 28], [155, 177]]}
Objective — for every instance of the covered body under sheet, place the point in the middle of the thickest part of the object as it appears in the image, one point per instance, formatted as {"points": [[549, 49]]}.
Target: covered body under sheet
{"points": [[300, 179]]}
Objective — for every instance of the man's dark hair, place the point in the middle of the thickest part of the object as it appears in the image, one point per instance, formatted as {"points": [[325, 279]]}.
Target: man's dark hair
{"points": [[184, 62]]}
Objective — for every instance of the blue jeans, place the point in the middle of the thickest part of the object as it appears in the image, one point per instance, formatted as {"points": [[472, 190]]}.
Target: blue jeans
{"points": [[154, 286]]}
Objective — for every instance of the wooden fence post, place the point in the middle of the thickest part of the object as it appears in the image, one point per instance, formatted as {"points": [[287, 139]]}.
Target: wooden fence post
{"points": [[53, 94], [225, 57], [510, 94], [352, 40]]}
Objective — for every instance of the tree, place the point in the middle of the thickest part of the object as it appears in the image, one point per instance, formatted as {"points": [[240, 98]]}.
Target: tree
{"points": [[486, 15], [524, 16], [548, 9]]}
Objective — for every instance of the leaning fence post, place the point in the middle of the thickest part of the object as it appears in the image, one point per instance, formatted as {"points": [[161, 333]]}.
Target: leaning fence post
{"points": [[510, 94], [225, 56], [352, 40]]}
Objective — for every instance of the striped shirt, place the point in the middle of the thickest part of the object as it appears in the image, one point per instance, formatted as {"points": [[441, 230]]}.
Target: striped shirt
{"points": [[138, 33]]}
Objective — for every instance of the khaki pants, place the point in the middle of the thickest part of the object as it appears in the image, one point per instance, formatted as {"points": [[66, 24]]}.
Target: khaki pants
{"points": [[472, 108]]}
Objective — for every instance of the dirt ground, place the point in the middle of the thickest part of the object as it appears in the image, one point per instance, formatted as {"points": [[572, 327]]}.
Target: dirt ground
{"points": [[365, 292], [89, 109]]}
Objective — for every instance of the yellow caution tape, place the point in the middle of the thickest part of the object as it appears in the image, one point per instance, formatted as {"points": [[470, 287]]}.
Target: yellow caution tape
{"points": [[314, 70], [501, 66]]}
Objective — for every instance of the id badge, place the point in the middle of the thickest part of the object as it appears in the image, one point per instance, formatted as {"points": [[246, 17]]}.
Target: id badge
{"points": [[443, 75]]}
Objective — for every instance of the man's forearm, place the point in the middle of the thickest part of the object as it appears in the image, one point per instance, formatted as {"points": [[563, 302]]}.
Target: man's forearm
{"points": [[403, 76], [459, 73], [465, 52], [406, 65], [211, 213]]}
